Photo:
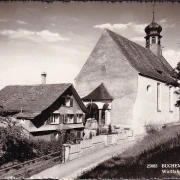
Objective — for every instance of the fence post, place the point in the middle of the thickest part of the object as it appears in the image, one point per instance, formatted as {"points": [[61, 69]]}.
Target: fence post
{"points": [[66, 152]]}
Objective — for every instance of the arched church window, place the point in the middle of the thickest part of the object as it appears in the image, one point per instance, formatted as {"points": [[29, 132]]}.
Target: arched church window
{"points": [[153, 40], [171, 104], [149, 89], [159, 97]]}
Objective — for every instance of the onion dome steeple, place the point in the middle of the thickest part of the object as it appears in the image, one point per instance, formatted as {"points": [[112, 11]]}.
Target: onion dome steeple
{"points": [[153, 37]]}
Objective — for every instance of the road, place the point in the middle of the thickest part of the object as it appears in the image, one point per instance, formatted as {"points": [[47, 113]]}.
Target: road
{"points": [[74, 168]]}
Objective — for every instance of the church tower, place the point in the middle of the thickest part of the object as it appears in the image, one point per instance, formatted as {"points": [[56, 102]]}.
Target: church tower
{"points": [[153, 37]]}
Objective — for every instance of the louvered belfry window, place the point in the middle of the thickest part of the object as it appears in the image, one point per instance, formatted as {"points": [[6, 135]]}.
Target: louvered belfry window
{"points": [[159, 97], [153, 40]]}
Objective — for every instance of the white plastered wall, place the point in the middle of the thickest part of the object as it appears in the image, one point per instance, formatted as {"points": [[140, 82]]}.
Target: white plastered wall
{"points": [[145, 107]]}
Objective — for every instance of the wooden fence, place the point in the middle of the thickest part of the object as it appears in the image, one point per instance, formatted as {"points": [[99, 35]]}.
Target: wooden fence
{"points": [[95, 144], [70, 152]]}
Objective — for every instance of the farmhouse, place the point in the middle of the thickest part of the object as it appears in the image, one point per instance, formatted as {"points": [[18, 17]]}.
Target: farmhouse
{"points": [[134, 80], [45, 109]]}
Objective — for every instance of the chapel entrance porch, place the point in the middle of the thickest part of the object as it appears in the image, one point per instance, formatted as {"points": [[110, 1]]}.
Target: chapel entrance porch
{"points": [[98, 103]]}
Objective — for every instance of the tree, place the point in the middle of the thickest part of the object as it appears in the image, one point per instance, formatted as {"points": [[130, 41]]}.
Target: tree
{"points": [[176, 83], [15, 145]]}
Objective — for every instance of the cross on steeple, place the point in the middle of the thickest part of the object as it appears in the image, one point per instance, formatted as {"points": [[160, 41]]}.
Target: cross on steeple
{"points": [[153, 12]]}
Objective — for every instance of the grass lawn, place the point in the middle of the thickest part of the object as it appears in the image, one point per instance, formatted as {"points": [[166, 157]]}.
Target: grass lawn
{"points": [[159, 148]]}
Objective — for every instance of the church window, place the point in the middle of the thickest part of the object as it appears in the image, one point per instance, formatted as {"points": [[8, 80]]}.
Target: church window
{"points": [[149, 89], [159, 97], [170, 99], [153, 40]]}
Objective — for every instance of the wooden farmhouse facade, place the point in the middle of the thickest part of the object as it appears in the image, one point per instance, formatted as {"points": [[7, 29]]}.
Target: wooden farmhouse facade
{"points": [[46, 109]]}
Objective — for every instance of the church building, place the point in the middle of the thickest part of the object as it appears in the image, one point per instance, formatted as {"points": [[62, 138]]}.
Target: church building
{"points": [[125, 84]]}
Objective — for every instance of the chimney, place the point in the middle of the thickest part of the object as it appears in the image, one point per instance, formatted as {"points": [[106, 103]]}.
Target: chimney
{"points": [[43, 77]]}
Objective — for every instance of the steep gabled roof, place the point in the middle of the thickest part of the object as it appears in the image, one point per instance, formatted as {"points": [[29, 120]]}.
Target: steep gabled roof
{"points": [[98, 94], [143, 60], [33, 99]]}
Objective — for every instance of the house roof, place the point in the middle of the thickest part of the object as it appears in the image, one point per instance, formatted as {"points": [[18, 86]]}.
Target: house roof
{"points": [[33, 99], [143, 60], [98, 94]]}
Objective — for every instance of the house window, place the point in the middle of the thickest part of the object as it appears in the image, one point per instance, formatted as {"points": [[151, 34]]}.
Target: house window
{"points": [[171, 99], [61, 120], [79, 118], [54, 119], [159, 97], [68, 101], [22, 121], [70, 118]]}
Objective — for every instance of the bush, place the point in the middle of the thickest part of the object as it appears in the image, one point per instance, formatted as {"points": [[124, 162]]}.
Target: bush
{"points": [[71, 137], [151, 128], [42, 147], [15, 145]]}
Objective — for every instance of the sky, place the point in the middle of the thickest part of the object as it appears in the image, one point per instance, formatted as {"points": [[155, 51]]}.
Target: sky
{"points": [[58, 37]]}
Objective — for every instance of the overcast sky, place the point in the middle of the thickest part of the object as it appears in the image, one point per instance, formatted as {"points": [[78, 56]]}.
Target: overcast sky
{"points": [[57, 38]]}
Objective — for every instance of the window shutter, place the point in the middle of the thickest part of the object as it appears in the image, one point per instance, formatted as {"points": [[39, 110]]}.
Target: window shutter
{"points": [[48, 120], [71, 102], [75, 118], [65, 118], [61, 119]]}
